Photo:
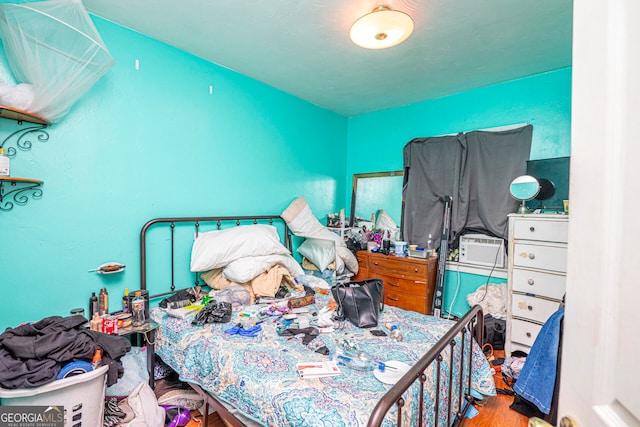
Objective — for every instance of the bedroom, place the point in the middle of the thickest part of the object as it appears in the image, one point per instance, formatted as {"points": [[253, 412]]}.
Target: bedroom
{"points": [[154, 141]]}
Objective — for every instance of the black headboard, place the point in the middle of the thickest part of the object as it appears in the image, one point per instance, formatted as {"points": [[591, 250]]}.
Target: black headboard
{"points": [[219, 222]]}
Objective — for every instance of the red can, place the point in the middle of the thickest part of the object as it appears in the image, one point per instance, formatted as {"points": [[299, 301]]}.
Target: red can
{"points": [[110, 324]]}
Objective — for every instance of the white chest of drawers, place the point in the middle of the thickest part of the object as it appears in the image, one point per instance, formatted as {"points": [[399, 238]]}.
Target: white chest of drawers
{"points": [[537, 270]]}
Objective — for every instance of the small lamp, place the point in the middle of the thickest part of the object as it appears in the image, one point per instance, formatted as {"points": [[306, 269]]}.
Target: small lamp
{"points": [[381, 28]]}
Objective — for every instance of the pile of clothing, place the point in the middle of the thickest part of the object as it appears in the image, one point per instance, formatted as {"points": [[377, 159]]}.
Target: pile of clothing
{"points": [[32, 354]]}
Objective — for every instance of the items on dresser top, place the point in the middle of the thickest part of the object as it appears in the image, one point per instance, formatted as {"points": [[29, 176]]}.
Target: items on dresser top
{"points": [[409, 283], [537, 275]]}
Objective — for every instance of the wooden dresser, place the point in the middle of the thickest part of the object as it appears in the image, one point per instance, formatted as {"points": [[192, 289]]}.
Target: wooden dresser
{"points": [[537, 270], [409, 283]]}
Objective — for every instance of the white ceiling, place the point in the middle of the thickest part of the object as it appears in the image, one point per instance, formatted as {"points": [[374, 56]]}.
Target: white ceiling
{"points": [[302, 46]]}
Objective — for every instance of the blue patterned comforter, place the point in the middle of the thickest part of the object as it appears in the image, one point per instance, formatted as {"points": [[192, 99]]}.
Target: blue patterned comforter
{"points": [[258, 375]]}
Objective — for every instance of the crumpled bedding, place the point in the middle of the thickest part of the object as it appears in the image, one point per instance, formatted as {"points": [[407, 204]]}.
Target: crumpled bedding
{"points": [[258, 375], [264, 285], [301, 222], [492, 298]]}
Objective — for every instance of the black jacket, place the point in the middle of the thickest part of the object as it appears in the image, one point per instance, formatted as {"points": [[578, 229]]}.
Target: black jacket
{"points": [[32, 354]]}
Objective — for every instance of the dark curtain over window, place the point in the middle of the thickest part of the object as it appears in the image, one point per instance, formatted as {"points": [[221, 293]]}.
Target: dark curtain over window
{"points": [[475, 169], [494, 159], [432, 169]]}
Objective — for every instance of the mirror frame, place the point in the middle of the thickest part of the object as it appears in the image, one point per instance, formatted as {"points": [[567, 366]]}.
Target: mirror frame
{"points": [[354, 189]]}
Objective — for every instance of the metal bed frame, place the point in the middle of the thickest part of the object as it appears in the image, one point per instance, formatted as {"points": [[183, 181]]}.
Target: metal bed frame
{"points": [[462, 334], [197, 222]]}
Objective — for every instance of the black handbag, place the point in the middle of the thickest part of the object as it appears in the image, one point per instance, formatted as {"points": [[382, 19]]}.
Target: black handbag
{"points": [[360, 302], [494, 332]]}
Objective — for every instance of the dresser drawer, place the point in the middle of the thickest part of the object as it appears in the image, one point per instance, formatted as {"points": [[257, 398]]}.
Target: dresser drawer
{"points": [[363, 259], [406, 301], [545, 257], [536, 309], [546, 231], [539, 283], [524, 332], [398, 267], [519, 347], [404, 286]]}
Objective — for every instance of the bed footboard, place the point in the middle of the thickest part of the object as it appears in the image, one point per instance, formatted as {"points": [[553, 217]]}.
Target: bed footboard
{"points": [[467, 328]]}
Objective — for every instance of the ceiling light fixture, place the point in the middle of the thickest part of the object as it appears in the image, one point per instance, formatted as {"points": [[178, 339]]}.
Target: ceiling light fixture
{"points": [[381, 28]]}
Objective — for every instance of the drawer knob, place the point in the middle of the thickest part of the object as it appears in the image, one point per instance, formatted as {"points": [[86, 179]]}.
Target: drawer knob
{"points": [[528, 334], [375, 263], [532, 229], [416, 270], [393, 299], [532, 256], [530, 307], [531, 282], [394, 284]]}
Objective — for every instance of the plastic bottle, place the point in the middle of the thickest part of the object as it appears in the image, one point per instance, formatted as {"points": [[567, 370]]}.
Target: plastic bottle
{"points": [[125, 301], [5, 163], [360, 362], [93, 305], [395, 332], [103, 302], [348, 355], [429, 243], [95, 324], [137, 310]]}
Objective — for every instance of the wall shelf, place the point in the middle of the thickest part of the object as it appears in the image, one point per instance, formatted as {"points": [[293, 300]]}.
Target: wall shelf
{"points": [[22, 138], [22, 116], [13, 190], [16, 191]]}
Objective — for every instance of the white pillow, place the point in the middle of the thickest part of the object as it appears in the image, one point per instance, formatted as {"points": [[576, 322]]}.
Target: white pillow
{"points": [[243, 270], [349, 259], [215, 249], [301, 222], [319, 251], [300, 219]]}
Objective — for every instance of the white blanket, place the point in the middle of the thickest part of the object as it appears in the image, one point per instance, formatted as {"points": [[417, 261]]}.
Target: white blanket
{"points": [[301, 221]]}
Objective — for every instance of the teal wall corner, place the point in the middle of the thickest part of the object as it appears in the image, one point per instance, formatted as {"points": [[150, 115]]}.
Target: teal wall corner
{"points": [[457, 285]]}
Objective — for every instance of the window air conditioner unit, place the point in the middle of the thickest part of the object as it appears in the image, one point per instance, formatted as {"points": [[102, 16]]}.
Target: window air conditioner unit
{"points": [[480, 249]]}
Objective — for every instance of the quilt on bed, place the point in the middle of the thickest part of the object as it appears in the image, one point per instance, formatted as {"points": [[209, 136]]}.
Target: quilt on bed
{"points": [[258, 375]]}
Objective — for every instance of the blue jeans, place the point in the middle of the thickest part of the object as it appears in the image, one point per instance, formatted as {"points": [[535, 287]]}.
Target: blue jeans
{"points": [[538, 375]]}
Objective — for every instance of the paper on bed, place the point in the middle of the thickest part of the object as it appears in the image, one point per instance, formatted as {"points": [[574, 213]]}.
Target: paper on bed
{"points": [[318, 369]]}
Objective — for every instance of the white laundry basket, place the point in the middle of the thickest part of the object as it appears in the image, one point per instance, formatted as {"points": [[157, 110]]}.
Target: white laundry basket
{"points": [[81, 395]]}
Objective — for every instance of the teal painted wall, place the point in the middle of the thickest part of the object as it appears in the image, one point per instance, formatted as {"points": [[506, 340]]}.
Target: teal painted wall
{"points": [[151, 143], [458, 285]]}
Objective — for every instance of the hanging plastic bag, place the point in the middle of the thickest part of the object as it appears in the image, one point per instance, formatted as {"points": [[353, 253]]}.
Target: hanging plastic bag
{"points": [[54, 51], [135, 372]]}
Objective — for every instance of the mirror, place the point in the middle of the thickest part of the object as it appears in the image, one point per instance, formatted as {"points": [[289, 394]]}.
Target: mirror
{"points": [[524, 188], [374, 191]]}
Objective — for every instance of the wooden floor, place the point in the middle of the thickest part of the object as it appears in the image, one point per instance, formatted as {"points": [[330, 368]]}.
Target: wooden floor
{"points": [[494, 413], [196, 420]]}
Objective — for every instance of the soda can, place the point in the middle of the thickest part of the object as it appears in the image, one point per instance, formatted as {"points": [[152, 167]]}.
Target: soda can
{"points": [[109, 324]]}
